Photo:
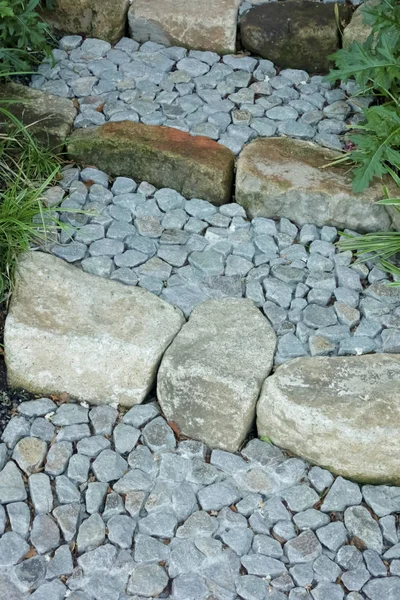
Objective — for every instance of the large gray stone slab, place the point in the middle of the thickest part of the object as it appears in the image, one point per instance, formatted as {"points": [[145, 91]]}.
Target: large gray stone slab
{"points": [[98, 340], [210, 377], [336, 411], [282, 177]]}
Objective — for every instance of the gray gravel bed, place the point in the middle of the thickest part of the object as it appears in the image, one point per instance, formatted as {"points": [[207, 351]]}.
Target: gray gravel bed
{"points": [[97, 504], [231, 99], [319, 300]]}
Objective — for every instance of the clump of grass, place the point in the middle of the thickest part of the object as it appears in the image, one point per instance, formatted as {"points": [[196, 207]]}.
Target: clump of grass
{"points": [[26, 170]]}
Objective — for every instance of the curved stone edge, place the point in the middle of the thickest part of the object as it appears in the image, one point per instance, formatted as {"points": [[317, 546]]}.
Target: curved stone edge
{"points": [[343, 437], [195, 166]]}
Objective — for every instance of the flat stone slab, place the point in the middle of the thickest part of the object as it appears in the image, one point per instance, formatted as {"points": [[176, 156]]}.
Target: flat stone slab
{"points": [[84, 18], [210, 25], [97, 340], [165, 157], [336, 412], [281, 177], [50, 118], [210, 377]]}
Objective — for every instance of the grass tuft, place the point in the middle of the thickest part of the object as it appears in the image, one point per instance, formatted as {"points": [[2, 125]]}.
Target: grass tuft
{"points": [[26, 170]]}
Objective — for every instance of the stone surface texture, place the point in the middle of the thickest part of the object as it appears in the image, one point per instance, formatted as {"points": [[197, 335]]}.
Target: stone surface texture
{"points": [[356, 30], [194, 166], [319, 301], [210, 27], [178, 521], [335, 412], [49, 117], [305, 43], [211, 375], [283, 177], [84, 18], [67, 331]]}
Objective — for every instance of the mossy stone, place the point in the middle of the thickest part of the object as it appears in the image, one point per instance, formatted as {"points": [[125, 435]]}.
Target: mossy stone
{"points": [[297, 34], [195, 166], [49, 117]]}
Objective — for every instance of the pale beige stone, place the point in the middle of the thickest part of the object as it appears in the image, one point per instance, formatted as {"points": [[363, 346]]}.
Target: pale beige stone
{"points": [[356, 30], [99, 19], [342, 413], [211, 375], [206, 25], [29, 454], [283, 177], [97, 340]]}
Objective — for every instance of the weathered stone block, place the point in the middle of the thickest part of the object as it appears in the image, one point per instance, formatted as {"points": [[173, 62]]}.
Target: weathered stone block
{"points": [[282, 177], [293, 34], [94, 19], [195, 166], [50, 117], [340, 413], [210, 25], [97, 340], [210, 377]]}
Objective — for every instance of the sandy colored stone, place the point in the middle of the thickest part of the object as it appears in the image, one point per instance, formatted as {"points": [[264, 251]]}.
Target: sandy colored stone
{"points": [[356, 30], [293, 34], [210, 377], [98, 340], [342, 413], [52, 116], [195, 166], [208, 25], [29, 454], [283, 177], [94, 19]]}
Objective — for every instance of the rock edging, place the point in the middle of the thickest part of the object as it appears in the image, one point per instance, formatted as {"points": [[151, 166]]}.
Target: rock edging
{"points": [[97, 340], [165, 157], [340, 413]]}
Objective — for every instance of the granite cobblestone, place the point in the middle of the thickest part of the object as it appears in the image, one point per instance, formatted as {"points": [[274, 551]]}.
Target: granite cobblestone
{"points": [[163, 517], [231, 99], [319, 300]]}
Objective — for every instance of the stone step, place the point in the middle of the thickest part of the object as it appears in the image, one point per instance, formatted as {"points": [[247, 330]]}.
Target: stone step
{"points": [[211, 375], [341, 413], [211, 26], [97, 340], [165, 157], [281, 177]]}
